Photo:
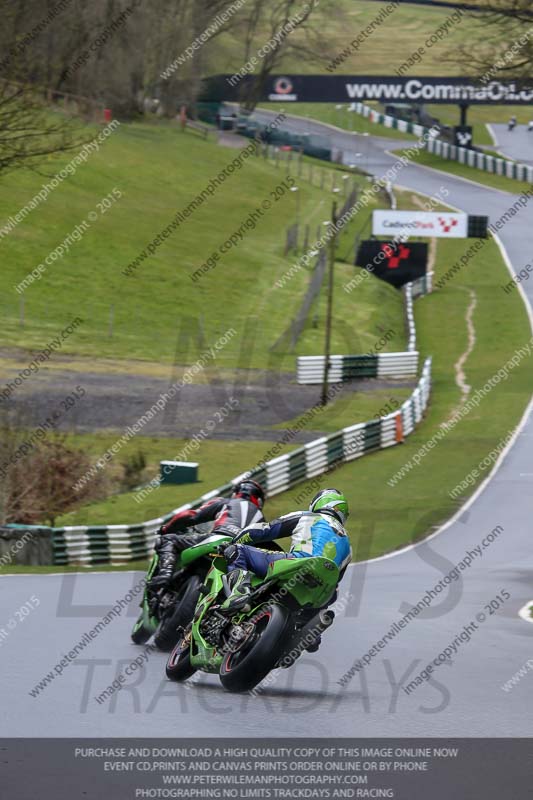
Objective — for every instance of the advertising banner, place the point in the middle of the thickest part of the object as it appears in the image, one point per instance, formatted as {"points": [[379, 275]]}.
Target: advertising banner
{"points": [[386, 89], [433, 224], [394, 262]]}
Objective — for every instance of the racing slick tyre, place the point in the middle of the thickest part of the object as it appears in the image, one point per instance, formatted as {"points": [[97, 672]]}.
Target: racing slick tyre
{"points": [[168, 630], [245, 667], [179, 666]]}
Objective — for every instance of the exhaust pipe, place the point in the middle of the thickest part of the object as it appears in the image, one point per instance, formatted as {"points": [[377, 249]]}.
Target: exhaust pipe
{"points": [[306, 636]]}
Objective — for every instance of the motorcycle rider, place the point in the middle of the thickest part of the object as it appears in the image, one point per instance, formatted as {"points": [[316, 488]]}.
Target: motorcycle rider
{"points": [[230, 516], [317, 532]]}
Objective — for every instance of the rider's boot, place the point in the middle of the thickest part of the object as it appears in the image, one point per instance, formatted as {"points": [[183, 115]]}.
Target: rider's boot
{"points": [[240, 583], [167, 551]]}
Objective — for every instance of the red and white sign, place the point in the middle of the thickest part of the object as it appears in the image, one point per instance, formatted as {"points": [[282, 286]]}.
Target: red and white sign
{"points": [[420, 223], [283, 90]]}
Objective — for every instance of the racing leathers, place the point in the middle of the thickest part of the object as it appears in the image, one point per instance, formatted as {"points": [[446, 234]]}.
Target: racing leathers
{"points": [[313, 534], [230, 516]]}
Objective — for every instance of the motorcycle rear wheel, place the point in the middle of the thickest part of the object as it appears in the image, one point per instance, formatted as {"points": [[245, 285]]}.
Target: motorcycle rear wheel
{"points": [[244, 668]]}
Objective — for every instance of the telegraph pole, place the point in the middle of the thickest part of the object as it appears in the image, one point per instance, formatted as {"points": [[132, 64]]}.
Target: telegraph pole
{"points": [[329, 313]]}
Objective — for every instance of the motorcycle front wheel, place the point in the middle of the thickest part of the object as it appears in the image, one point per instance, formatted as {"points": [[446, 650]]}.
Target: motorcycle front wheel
{"points": [[179, 666], [167, 633]]}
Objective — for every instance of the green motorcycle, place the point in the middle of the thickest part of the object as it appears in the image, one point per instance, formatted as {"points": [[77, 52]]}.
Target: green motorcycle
{"points": [[281, 620], [166, 611]]}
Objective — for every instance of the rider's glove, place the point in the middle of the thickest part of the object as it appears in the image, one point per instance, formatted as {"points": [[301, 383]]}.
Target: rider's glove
{"points": [[231, 552]]}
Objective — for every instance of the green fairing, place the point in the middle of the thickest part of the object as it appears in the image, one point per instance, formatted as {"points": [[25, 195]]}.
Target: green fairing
{"points": [[293, 577], [145, 619], [188, 556], [204, 548]]}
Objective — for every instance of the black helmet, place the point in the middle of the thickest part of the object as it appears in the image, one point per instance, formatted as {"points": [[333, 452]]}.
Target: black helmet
{"points": [[250, 490]]}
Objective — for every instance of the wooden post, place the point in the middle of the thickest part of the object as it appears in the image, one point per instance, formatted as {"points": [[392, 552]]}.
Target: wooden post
{"points": [[329, 313]]}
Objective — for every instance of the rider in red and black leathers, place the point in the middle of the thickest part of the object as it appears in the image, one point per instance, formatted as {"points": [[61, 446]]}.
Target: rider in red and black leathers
{"points": [[230, 516]]}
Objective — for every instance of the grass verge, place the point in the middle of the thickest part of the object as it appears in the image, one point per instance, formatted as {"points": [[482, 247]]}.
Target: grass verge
{"points": [[386, 517]]}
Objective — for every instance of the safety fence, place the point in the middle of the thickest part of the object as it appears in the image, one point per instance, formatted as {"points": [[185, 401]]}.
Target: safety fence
{"points": [[464, 155], [410, 325], [116, 544], [402, 125], [292, 333], [349, 368], [423, 285], [479, 160]]}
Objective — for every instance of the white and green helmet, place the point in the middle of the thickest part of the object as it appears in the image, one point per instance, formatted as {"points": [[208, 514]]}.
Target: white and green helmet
{"points": [[331, 501]]}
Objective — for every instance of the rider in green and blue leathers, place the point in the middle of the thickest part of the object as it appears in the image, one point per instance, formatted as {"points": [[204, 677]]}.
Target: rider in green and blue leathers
{"points": [[317, 532]]}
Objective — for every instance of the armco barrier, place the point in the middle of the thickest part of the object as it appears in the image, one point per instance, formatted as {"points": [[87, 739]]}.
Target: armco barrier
{"points": [[310, 369], [117, 544], [478, 160], [410, 325], [423, 285], [401, 125]]}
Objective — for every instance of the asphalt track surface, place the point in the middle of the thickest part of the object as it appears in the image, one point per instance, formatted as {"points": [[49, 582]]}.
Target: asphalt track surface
{"points": [[517, 144], [463, 698]]}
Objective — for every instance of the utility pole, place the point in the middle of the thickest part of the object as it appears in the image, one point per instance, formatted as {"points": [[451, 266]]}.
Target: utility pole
{"points": [[329, 313]]}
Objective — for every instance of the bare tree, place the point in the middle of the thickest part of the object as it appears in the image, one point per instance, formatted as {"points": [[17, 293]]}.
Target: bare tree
{"points": [[37, 476], [505, 46], [283, 28], [182, 40], [29, 131]]}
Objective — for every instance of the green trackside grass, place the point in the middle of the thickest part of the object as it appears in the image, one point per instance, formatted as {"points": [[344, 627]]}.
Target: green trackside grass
{"points": [[367, 318], [386, 517], [426, 159], [340, 412], [158, 312], [390, 45], [219, 462]]}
